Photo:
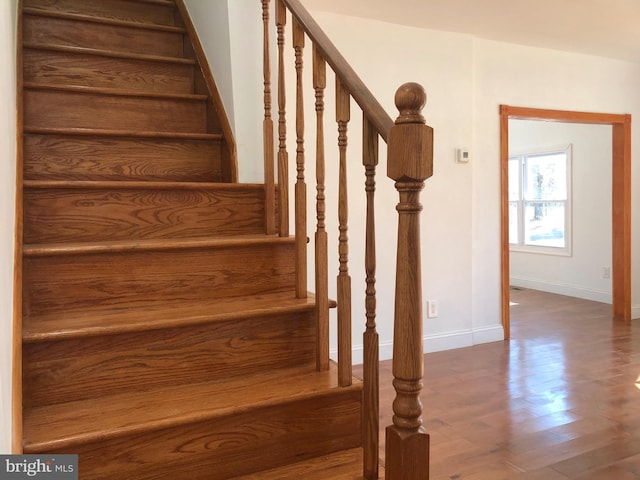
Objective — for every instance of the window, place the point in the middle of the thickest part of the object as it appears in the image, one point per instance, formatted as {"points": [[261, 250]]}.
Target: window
{"points": [[540, 202]]}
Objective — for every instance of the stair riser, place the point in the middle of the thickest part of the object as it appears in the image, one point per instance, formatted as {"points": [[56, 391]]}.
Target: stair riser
{"points": [[71, 157], [133, 279], [77, 215], [113, 9], [74, 33], [241, 443], [66, 370], [64, 68], [66, 109]]}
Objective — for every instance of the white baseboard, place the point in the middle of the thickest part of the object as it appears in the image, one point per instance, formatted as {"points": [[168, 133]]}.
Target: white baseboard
{"points": [[562, 289], [635, 312], [437, 343], [494, 333]]}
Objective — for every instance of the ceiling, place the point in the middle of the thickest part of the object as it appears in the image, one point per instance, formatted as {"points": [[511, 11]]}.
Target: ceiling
{"points": [[608, 28]]}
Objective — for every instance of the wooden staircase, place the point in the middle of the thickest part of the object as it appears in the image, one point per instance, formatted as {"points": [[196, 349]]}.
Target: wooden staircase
{"points": [[162, 337]]}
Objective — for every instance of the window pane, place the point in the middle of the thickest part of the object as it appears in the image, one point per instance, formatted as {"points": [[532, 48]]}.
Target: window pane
{"points": [[544, 224], [513, 222], [546, 177], [514, 179]]}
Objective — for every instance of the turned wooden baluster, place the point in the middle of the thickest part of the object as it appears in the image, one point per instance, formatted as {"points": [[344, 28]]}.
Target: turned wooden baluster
{"points": [[410, 163], [283, 156], [343, 105], [301, 186], [321, 260], [267, 130], [371, 394]]}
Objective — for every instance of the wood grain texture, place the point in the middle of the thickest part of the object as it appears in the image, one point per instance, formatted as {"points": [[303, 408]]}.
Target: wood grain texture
{"points": [[162, 334], [221, 448], [74, 33], [505, 259], [214, 399], [342, 465], [343, 281], [96, 156], [110, 211], [128, 279], [371, 356], [300, 186], [283, 155], [154, 316], [409, 163], [321, 260], [621, 201], [111, 110], [267, 125], [64, 67], [558, 401], [83, 368], [16, 341], [159, 13]]}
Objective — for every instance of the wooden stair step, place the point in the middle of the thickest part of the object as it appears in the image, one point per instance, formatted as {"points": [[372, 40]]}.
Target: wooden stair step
{"points": [[100, 20], [103, 155], [203, 431], [342, 465], [80, 107], [161, 13], [91, 211], [96, 321], [40, 26], [207, 347], [107, 53], [63, 425], [69, 66], [126, 274], [128, 262]]}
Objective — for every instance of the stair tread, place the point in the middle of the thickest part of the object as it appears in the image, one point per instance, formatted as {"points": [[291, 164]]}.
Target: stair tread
{"points": [[107, 321], [113, 91], [341, 465], [103, 20], [107, 53], [80, 131], [61, 426], [136, 184], [152, 244]]}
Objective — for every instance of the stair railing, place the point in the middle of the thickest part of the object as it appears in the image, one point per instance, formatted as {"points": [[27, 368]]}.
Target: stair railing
{"points": [[410, 162]]}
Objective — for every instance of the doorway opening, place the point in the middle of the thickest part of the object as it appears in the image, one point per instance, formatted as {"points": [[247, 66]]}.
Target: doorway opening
{"points": [[621, 200]]}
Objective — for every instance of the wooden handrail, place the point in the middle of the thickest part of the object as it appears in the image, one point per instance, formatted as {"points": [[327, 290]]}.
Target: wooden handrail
{"points": [[369, 105]]}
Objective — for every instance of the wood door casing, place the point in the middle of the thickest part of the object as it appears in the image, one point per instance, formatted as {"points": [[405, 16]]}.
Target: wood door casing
{"points": [[621, 201]]}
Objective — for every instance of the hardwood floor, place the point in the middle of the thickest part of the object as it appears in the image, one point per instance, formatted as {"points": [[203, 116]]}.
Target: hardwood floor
{"points": [[561, 400]]}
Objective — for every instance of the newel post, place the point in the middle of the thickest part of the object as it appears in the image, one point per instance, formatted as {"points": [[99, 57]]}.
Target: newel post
{"points": [[409, 163]]}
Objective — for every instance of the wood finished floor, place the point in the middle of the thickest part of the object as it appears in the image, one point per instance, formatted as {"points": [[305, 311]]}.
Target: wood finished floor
{"points": [[561, 400]]}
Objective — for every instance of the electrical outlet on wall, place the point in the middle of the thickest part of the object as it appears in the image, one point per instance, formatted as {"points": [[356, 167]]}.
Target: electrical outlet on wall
{"points": [[606, 272], [432, 308]]}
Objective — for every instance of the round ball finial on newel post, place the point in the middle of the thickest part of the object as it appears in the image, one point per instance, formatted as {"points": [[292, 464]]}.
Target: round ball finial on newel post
{"points": [[409, 163], [410, 100]]}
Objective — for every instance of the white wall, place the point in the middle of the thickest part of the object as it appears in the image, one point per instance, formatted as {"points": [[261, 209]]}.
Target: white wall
{"points": [[442, 63], [231, 35], [536, 77], [7, 210], [580, 274]]}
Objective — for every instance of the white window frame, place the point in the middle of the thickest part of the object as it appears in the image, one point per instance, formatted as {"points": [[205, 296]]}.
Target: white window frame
{"points": [[547, 250]]}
